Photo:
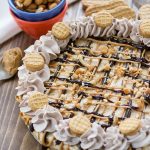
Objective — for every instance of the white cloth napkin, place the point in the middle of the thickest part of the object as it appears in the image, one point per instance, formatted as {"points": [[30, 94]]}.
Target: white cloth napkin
{"points": [[8, 27]]}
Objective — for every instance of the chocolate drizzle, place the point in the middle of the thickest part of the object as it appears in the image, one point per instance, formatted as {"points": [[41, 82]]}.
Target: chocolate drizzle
{"points": [[66, 59]]}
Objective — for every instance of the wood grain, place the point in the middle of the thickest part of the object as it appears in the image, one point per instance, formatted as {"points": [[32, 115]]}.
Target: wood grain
{"points": [[13, 133]]}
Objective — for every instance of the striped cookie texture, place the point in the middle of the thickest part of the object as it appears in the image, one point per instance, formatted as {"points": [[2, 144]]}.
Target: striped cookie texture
{"points": [[104, 6], [87, 3], [130, 126], [34, 61], [144, 12], [61, 31], [37, 100], [122, 12], [145, 28], [79, 124], [103, 19]]}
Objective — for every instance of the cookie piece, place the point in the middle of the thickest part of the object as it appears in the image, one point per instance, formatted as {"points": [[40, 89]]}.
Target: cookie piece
{"points": [[37, 100], [122, 12], [104, 6], [87, 3], [103, 19], [145, 28], [60, 30], [79, 124], [12, 59], [34, 61], [144, 12], [130, 126]]}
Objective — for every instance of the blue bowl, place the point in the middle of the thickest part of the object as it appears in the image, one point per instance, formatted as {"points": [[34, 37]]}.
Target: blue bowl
{"points": [[37, 16]]}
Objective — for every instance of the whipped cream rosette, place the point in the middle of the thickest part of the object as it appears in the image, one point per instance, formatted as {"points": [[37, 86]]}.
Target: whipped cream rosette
{"points": [[24, 107], [93, 138], [63, 133], [135, 34], [115, 140], [46, 119], [92, 77], [141, 138], [32, 81]]}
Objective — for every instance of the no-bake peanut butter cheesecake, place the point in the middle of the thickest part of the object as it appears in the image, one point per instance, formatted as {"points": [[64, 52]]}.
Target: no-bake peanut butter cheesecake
{"points": [[86, 85]]}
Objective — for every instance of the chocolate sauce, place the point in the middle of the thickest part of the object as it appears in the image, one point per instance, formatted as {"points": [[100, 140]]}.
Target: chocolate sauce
{"points": [[127, 113], [64, 59], [93, 119], [71, 115], [31, 128], [85, 52], [58, 142], [111, 119], [98, 97], [82, 93], [58, 68], [128, 110], [147, 98], [55, 104]]}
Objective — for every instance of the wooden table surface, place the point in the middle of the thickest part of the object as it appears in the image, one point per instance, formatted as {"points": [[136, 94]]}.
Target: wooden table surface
{"points": [[13, 132]]}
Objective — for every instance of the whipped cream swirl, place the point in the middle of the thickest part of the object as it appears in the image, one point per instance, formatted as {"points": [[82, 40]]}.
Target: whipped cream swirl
{"points": [[63, 133], [85, 26], [114, 140], [47, 46], [93, 139], [32, 81], [124, 27], [142, 138], [135, 34], [61, 43], [24, 108], [46, 119]]}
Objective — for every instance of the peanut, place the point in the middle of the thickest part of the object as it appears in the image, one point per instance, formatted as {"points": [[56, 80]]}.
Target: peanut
{"points": [[57, 1], [45, 1], [40, 9], [32, 6], [31, 10], [36, 5], [42, 6], [50, 1], [26, 3], [38, 2], [20, 1], [19, 5], [52, 5]]}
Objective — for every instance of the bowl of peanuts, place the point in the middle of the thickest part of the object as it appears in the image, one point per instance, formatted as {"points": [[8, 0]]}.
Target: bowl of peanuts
{"points": [[36, 10], [36, 29]]}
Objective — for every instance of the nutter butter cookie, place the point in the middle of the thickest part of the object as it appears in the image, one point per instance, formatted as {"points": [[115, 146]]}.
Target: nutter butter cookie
{"points": [[61, 31], [103, 19], [87, 3], [145, 28], [34, 61], [107, 5], [37, 100], [130, 126], [122, 12], [144, 12], [79, 124]]}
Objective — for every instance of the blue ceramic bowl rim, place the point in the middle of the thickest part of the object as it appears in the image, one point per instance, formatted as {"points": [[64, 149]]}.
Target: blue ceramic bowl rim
{"points": [[12, 5]]}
